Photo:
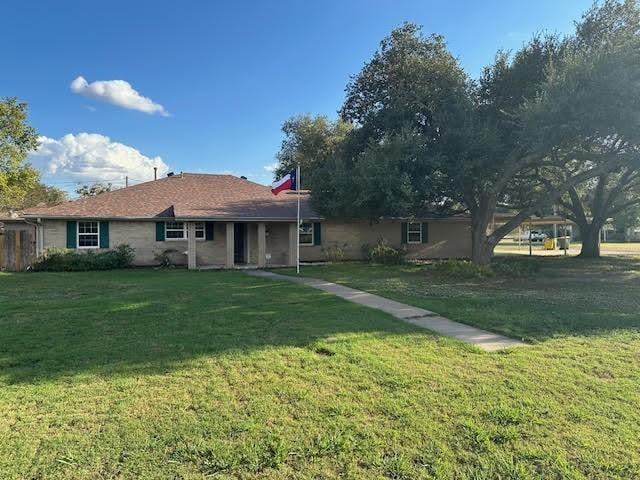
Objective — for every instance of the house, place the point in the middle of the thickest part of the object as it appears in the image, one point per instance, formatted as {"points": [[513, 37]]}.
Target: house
{"points": [[205, 220]]}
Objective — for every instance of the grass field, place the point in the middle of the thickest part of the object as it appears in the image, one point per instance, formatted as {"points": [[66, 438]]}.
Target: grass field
{"points": [[176, 374]]}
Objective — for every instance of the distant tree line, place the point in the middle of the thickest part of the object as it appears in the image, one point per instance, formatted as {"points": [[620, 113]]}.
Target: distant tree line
{"points": [[556, 122]]}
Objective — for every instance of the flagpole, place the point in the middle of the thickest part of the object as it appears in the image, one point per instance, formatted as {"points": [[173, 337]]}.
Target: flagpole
{"points": [[298, 221]]}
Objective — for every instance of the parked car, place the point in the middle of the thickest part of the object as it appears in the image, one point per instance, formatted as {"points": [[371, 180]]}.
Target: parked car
{"points": [[536, 235]]}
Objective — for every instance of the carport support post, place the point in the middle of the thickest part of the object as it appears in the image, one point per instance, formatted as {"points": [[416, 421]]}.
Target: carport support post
{"points": [[230, 245], [191, 245], [262, 245]]}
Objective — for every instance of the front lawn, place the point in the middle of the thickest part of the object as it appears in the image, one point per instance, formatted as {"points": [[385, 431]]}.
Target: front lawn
{"points": [[569, 296], [176, 374]]}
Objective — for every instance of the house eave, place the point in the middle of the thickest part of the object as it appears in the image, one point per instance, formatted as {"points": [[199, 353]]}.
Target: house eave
{"points": [[176, 218]]}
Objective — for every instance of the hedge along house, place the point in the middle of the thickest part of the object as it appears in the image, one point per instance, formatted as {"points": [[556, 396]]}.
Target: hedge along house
{"points": [[223, 221]]}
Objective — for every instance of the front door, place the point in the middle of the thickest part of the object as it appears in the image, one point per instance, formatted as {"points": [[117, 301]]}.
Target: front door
{"points": [[239, 235]]}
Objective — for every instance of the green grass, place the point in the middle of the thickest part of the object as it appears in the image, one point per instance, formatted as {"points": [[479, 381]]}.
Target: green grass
{"points": [[570, 296], [176, 374]]}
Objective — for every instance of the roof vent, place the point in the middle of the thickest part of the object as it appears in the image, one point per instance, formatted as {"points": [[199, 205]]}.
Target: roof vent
{"points": [[243, 177], [170, 174]]}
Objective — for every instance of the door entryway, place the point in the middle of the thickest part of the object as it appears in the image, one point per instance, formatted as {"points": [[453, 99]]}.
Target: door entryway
{"points": [[239, 238]]}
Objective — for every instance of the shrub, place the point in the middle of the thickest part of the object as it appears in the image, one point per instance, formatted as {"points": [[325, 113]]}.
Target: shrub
{"points": [[335, 252], [461, 268], [383, 252], [164, 258], [505, 267], [515, 267], [61, 260]]}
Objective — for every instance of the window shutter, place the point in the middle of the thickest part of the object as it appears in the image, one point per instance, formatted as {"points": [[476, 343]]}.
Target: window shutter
{"points": [[71, 234], [403, 232], [317, 233], [425, 232], [104, 234], [208, 230], [159, 231]]}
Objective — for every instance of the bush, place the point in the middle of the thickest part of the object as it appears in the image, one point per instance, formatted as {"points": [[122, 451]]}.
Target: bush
{"points": [[505, 267], [461, 268], [61, 260], [515, 267], [383, 252], [335, 252], [165, 258]]}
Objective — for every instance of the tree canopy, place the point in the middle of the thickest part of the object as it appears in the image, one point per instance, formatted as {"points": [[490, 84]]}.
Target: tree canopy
{"points": [[94, 189], [425, 139], [17, 139]]}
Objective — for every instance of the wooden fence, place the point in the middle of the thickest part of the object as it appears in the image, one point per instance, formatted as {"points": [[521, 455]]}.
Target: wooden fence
{"points": [[17, 249]]}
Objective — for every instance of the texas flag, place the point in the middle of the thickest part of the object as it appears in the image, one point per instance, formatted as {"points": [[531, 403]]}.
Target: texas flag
{"points": [[288, 182]]}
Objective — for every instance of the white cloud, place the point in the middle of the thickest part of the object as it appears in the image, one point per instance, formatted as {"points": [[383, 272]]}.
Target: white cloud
{"points": [[90, 108], [117, 92], [271, 167], [91, 157]]}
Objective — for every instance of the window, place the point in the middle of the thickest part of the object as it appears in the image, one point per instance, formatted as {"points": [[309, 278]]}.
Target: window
{"points": [[178, 230], [174, 231], [200, 230], [88, 234], [306, 233], [414, 232]]}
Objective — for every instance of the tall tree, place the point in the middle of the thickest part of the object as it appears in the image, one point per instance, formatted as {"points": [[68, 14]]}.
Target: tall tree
{"points": [[552, 116], [592, 204], [42, 194], [309, 141], [17, 139]]}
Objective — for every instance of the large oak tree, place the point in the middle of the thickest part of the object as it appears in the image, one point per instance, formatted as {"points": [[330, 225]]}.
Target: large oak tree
{"points": [[426, 140]]}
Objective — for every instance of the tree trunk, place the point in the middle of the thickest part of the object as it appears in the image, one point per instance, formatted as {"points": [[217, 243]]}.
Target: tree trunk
{"points": [[590, 235], [482, 245]]}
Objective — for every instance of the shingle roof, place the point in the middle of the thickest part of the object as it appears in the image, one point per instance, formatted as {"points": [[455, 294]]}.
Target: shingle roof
{"points": [[184, 196]]}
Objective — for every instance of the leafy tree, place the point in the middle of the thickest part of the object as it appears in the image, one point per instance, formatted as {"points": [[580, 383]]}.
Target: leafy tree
{"points": [[627, 220], [427, 140], [309, 142], [42, 194], [591, 204], [95, 189], [17, 139]]}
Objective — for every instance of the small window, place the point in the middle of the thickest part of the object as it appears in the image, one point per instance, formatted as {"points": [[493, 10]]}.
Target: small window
{"points": [[88, 234], [199, 230], [306, 233], [179, 231], [174, 230], [414, 232]]}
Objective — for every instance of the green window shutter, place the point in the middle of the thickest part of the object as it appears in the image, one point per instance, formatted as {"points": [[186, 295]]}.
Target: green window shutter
{"points": [[208, 230], [317, 233], [72, 234], [425, 232], [159, 231], [104, 234], [403, 232]]}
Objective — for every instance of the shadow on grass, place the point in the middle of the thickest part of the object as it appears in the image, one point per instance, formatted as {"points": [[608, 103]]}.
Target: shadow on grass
{"points": [[567, 297], [145, 322]]}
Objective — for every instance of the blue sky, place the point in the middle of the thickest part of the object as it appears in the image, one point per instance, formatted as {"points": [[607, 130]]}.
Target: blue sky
{"points": [[228, 73]]}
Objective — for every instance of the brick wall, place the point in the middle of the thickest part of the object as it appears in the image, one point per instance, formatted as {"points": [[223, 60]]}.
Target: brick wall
{"points": [[447, 239]]}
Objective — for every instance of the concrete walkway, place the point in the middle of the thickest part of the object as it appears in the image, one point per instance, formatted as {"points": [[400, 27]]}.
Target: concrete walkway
{"points": [[414, 315]]}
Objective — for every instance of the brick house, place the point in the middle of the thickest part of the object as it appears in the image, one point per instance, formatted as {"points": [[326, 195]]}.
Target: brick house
{"points": [[204, 220]]}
